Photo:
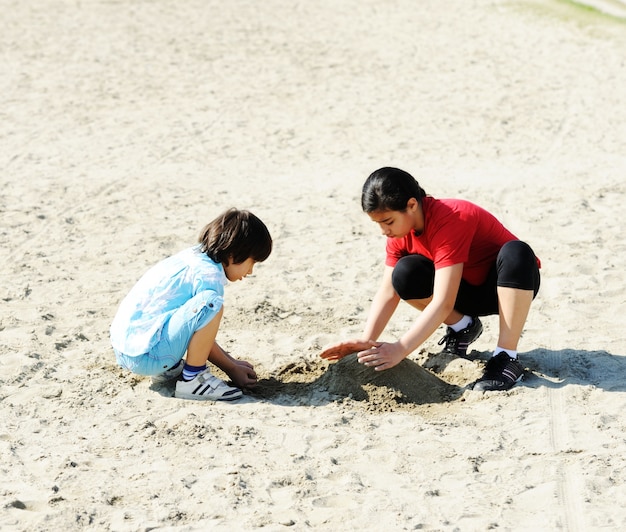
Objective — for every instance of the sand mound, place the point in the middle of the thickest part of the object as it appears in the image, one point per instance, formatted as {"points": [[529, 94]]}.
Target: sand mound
{"points": [[313, 382]]}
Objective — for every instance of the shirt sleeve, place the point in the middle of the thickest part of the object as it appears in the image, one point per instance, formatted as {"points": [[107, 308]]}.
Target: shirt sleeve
{"points": [[208, 299], [450, 242], [395, 250]]}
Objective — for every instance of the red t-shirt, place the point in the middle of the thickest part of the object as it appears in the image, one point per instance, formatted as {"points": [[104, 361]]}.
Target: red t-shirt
{"points": [[455, 231]]}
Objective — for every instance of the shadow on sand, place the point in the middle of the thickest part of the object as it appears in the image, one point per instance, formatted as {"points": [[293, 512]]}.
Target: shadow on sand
{"points": [[310, 382], [315, 382]]}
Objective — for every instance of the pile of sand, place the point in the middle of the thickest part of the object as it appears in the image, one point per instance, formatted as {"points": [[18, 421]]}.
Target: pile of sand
{"points": [[405, 385]]}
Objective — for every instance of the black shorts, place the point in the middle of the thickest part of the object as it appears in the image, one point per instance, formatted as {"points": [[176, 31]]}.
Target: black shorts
{"points": [[515, 267]]}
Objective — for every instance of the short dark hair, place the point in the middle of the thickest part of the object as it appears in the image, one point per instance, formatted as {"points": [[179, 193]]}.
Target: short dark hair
{"points": [[236, 236], [390, 189]]}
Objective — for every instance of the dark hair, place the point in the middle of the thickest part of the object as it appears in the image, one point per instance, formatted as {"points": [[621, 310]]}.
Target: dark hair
{"points": [[235, 236], [390, 189]]}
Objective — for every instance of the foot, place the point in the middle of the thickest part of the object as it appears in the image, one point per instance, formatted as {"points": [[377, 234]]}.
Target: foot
{"points": [[206, 387], [501, 373], [458, 342], [169, 374]]}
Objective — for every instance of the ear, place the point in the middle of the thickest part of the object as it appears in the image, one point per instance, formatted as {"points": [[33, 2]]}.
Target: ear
{"points": [[411, 205]]}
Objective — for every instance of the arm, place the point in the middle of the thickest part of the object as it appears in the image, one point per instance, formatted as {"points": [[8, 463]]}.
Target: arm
{"points": [[383, 306], [387, 355], [240, 372]]}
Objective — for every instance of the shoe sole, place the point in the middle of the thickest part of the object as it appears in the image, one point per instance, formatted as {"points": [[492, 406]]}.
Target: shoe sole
{"points": [[196, 397], [492, 385]]}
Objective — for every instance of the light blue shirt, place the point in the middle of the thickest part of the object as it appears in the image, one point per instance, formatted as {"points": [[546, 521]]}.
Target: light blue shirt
{"points": [[162, 290]]}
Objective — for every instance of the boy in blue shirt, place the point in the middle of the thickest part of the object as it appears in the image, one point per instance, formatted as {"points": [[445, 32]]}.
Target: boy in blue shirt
{"points": [[177, 306]]}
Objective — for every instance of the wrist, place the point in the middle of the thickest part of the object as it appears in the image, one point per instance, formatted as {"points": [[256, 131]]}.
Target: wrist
{"points": [[404, 347], [225, 364]]}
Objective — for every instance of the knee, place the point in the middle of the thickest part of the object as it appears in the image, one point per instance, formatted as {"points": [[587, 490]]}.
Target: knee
{"points": [[517, 266], [413, 277], [516, 254]]}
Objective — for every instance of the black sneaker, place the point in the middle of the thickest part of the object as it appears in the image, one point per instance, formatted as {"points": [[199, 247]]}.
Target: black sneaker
{"points": [[457, 342], [501, 373]]}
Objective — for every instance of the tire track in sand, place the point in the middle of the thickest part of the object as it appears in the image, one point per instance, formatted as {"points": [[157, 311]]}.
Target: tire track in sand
{"points": [[569, 484]]}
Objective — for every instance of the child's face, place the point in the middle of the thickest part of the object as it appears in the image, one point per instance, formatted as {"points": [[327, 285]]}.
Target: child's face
{"points": [[393, 224], [396, 224], [236, 272]]}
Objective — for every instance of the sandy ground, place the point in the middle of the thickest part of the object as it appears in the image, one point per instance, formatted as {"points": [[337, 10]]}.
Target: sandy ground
{"points": [[126, 126]]}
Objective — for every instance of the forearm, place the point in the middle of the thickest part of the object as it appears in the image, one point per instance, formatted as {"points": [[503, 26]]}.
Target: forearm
{"points": [[425, 325], [221, 359], [241, 372], [383, 307], [445, 289]]}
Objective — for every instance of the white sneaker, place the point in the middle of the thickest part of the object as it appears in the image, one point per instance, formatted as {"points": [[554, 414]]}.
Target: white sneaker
{"points": [[206, 387], [169, 374]]}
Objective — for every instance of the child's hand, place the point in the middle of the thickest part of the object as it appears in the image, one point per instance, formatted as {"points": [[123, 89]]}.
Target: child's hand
{"points": [[242, 374], [342, 349], [381, 355]]}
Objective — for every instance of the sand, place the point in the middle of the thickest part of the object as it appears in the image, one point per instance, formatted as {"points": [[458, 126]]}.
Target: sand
{"points": [[126, 126]]}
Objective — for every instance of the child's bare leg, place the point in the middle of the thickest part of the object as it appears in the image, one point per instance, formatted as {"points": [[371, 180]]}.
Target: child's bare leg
{"points": [[202, 341], [514, 305], [503, 369], [197, 383]]}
